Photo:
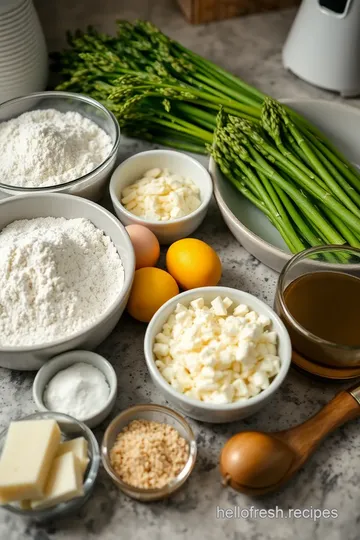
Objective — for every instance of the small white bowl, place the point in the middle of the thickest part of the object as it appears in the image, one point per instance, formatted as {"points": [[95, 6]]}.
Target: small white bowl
{"points": [[133, 168], [209, 412], [63, 361]]}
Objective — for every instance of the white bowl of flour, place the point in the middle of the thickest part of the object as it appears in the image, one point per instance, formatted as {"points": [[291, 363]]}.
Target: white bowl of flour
{"points": [[57, 142], [66, 270]]}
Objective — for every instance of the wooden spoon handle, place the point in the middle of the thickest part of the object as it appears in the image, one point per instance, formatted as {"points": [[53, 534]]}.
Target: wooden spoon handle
{"points": [[306, 437]]}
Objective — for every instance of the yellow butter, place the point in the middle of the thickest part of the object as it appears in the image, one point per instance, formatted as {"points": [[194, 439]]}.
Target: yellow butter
{"points": [[64, 482], [28, 453], [79, 447]]}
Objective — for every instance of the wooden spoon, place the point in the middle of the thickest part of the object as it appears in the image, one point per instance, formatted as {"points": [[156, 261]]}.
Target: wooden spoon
{"points": [[256, 463]]}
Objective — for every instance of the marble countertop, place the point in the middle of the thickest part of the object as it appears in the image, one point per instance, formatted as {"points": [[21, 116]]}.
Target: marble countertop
{"points": [[250, 47]]}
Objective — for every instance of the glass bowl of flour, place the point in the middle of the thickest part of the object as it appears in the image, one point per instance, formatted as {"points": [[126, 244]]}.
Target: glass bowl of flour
{"points": [[57, 142]]}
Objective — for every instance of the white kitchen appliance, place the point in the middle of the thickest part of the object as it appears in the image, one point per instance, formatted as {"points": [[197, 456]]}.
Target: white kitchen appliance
{"points": [[323, 46]]}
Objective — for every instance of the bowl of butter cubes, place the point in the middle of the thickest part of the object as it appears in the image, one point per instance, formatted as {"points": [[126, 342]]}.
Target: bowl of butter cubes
{"points": [[166, 191], [48, 465], [217, 354]]}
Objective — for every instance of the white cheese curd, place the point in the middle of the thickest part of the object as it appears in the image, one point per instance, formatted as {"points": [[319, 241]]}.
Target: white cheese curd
{"points": [[161, 196], [217, 353]]}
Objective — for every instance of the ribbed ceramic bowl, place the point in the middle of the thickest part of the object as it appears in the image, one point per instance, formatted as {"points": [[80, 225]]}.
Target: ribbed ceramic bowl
{"points": [[9, 8], [92, 185], [211, 412], [23, 54], [68, 206], [248, 224]]}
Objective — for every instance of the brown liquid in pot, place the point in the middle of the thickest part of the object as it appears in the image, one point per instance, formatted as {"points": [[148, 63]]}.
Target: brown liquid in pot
{"points": [[327, 304]]}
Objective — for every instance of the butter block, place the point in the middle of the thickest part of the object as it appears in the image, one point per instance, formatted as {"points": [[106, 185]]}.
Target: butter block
{"points": [[29, 450], [64, 482], [79, 447]]}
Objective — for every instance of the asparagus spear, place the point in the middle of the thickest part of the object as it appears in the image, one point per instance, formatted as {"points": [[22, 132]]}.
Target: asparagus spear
{"points": [[351, 219], [241, 187], [161, 91]]}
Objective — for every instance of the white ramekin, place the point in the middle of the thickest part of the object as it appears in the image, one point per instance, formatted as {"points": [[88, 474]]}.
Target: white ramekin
{"points": [[66, 360], [133, 168]]}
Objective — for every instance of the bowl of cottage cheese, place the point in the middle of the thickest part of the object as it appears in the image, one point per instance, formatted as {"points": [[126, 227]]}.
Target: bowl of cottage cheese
{"points": [[57, 142], [218, 354], [66, 270]]}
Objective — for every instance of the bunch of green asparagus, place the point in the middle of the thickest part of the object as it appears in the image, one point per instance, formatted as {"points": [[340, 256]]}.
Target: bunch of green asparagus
{"points": [[158, 89], [308, 193], [165, 93]]}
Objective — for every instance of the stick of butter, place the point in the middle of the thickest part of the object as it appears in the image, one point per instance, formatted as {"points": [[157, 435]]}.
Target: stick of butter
{"points": [[28, 453], [64, 483], [79, 447]]}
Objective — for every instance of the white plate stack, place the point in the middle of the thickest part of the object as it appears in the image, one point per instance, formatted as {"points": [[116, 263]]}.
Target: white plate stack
{"points": [[23, 54]]}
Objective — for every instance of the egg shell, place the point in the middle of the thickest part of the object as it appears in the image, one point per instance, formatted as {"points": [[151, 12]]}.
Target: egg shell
{"points": [[145, 244]]}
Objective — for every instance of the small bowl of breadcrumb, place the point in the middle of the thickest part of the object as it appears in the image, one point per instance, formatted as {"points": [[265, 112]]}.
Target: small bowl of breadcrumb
{"points": [[149, 451]]}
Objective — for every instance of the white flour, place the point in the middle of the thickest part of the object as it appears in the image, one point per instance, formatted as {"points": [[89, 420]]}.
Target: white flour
{"points": [[47, 147], [57, 276]]}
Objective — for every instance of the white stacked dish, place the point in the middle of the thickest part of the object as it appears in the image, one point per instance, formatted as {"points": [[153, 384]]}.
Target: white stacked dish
{"points": [[23, 54]]}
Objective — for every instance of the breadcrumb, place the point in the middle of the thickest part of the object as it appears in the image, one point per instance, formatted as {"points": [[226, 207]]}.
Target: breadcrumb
{"points": [[148, 454]]}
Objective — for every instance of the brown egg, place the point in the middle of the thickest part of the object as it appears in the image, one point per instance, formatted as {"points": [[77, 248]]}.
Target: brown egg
{"points": [[255, 460], [145, 244]]}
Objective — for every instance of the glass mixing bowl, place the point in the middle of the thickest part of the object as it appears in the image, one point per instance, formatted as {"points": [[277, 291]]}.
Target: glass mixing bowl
{"points": [[92, 185]]}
